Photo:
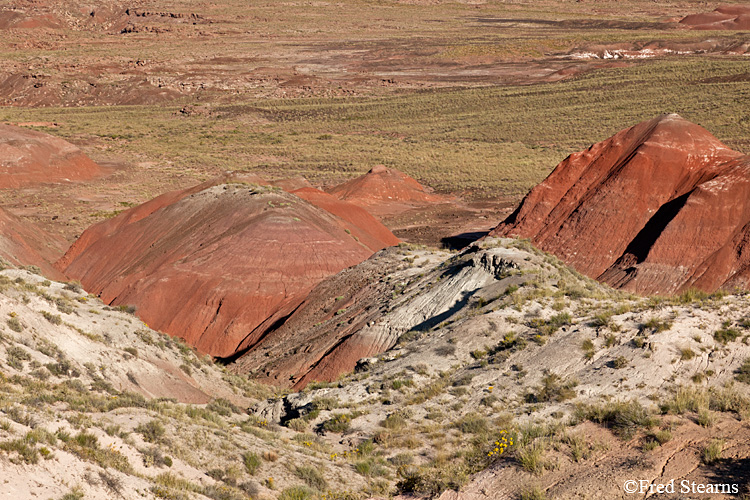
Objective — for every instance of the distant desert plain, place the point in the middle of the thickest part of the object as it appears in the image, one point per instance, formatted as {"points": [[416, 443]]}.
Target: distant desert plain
{"points": [[374, 249]]}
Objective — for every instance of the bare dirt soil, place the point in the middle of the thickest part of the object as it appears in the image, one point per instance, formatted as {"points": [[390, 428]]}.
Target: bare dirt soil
{"points": [[152, 53], [499, 338], [117, 54]]}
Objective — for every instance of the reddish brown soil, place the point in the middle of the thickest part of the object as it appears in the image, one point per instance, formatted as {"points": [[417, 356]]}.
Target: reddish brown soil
{"points": [[150, 52], [11, 18], [449, 225], [416, 214], [657, 208], [386, 191], [218, 264], [22, 243], [726, 17], [29, 158], [364, 226]]}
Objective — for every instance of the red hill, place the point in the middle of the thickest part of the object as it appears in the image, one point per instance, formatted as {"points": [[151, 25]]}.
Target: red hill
{"points": [[658, 208], [28, 157], [13, 18], [23, 244], [363, 225], [726, 17], [220, 264], [385, 191]]}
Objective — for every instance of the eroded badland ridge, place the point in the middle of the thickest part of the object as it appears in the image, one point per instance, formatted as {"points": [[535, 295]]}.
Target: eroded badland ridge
{"points": [[280, 251], [497, 341]]}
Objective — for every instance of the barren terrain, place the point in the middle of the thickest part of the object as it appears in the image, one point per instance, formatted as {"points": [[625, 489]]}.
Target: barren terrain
{"points": [[170, 93], [238, 175], [590, 387]]}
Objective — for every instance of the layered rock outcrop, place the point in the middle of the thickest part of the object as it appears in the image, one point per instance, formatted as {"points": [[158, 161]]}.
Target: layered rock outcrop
{"points": [[221, 264], [660, 207], [363, 311]]}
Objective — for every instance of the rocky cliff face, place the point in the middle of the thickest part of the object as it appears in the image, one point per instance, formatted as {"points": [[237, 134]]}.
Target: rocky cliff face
{"points": [[657, 208], [220, 264]]}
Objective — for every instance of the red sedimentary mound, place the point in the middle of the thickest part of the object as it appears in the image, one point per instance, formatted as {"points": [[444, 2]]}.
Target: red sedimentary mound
{"points": [[658, 208], [385, 191], [221, 264], [363, 226], [726, 17], [326, 329], [29, 157], [12, 18], [22, 244]]}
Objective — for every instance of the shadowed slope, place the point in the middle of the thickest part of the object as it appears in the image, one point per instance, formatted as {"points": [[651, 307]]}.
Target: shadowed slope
{"points": [[657, 208], [702, 245]]}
